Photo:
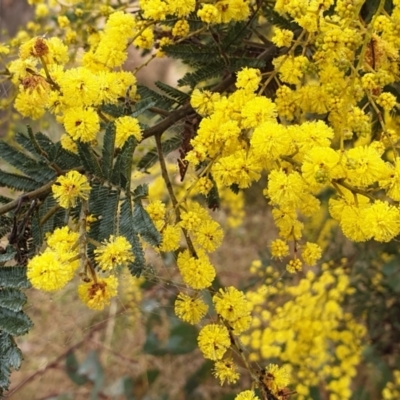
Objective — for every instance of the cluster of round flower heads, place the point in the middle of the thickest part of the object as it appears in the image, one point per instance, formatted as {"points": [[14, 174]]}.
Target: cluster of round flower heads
{"points": [[73, 95]]}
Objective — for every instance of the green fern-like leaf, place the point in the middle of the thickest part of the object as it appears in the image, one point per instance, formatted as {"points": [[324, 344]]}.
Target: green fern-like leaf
{"points": [[143, 105], [121, 174], [144, 225], [237, 63], [235, 35], [108, 150], [148, 160], [14, 323], [280, 21], [192, 54], [13, 277], [179, 96], [158, 100], [108, 223], [27, 165], [126, 228], [212, 70], [89, 160], [12, 299], [18, 182], [141, 192], [5, 225], [8, 255], [114, 110], [10, 357]]}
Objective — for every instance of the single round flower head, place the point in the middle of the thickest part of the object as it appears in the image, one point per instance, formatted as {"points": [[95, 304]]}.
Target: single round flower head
{"points": [[247, 395], [275, 378], [279, 249], [311, 253], [116, 251], [294, 266], [213, 341], [230, 304], [248, 79], [51, 270], [126, 127], [226, 370], [197, 273], [63, 240], [97, 295], [82, 124], [69, 188], [190, 309]]}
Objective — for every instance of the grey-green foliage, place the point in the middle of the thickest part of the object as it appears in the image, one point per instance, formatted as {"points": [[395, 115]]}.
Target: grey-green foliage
{"points": [[31, 165]]}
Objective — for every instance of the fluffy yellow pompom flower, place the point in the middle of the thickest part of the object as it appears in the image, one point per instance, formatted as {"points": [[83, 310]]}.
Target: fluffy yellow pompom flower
{"points": [[230, 304], [51, 270], [171, 237], [383, 221], [276, 378], [247, 395], [63, 240], [97, 295], [203, 101], [213, 341], [197, 273], [116, 251], [126, 127], [209, 235], [208, 14], [248, 79], [190, 309], [226, 370], [69, 188], [311, 253], [282, 37], [82, 124]]}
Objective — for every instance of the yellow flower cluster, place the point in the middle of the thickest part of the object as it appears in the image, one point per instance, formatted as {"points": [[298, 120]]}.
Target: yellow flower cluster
{"points": [[310, 332]]}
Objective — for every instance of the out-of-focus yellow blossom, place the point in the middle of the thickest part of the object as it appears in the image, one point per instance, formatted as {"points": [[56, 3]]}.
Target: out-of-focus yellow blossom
{"points": [[126, 127]]}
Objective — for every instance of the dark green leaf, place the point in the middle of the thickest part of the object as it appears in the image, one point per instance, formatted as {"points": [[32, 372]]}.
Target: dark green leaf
{"points": [[27, 165], [237, 63], [5, 200], [9, 350], [141, 192], [126, 228], [71, 368], [236, 33], [89, 160], [93, 370], [121, 175], [14, 323], [5, 226], [11, 298], [8, 255], [10, 357], [192, 54], [178, 95], [143, 105], [150, 95], [108, 150], [108, 223], [144, 225], [114, 110], [18, 182], [13, 277], [212, 70]]}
